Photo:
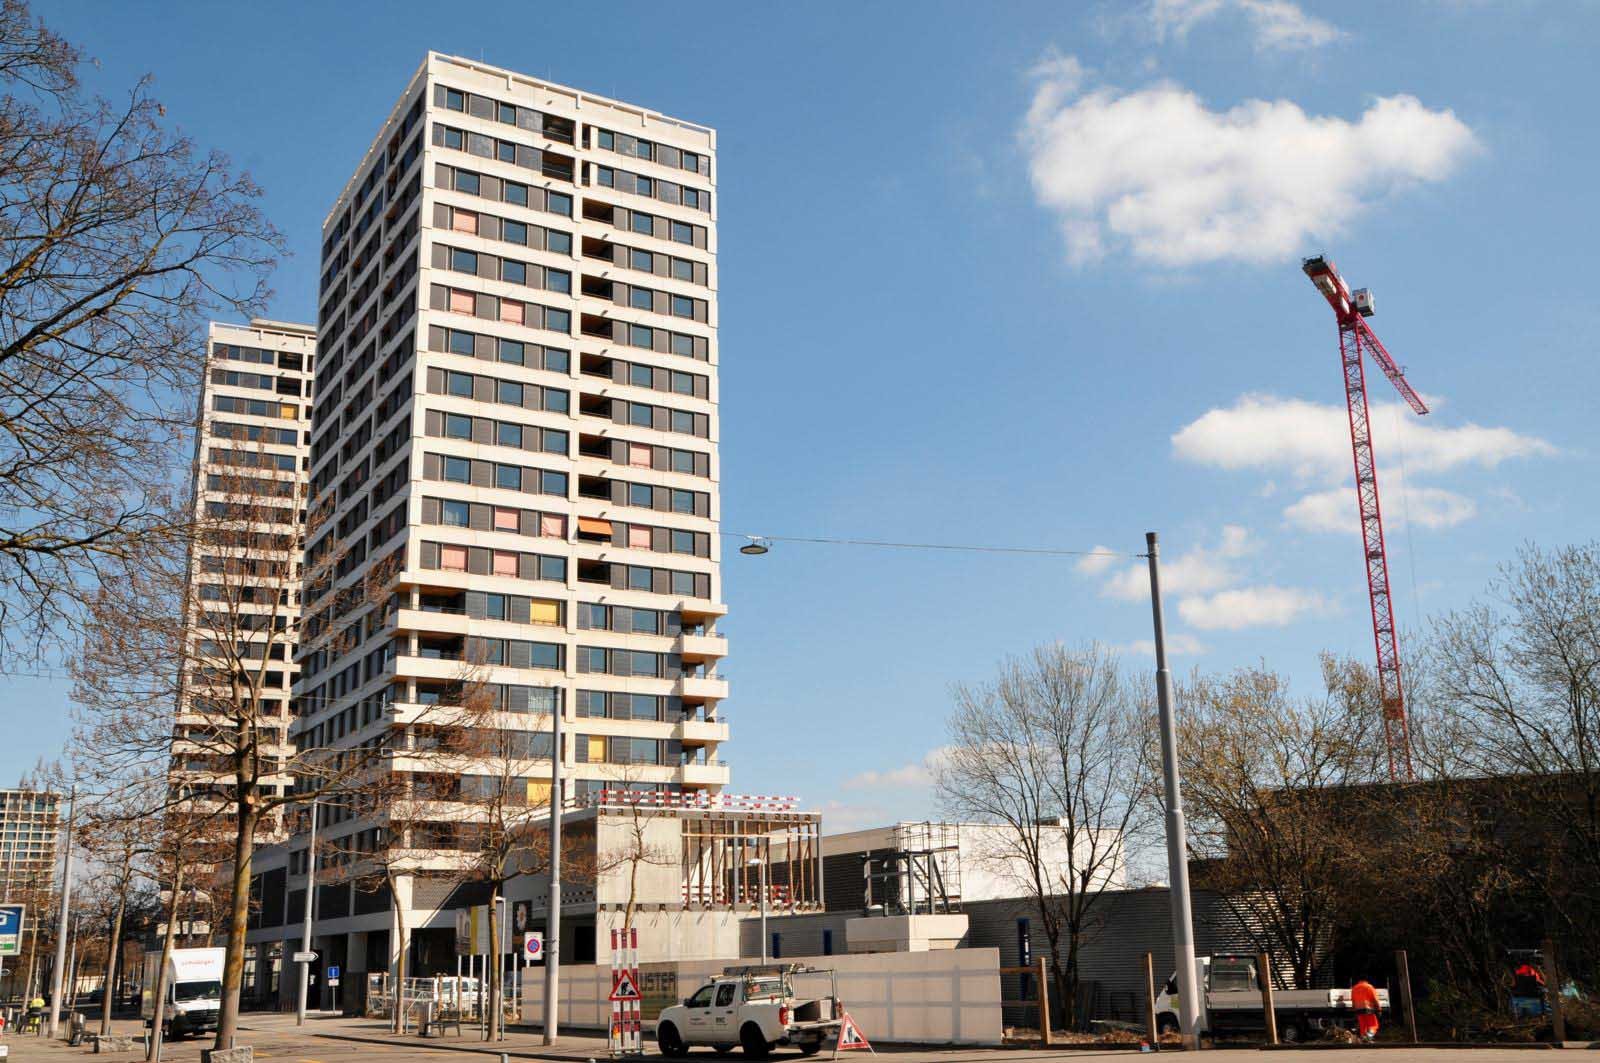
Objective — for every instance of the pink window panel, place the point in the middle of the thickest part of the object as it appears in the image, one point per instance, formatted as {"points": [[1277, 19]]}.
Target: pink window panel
{"points": [[453, 558], [464, 221], [511, 310], [553, 525], [638, 456], [462, 302], [505, 563], [638, 537], [505, 520]]}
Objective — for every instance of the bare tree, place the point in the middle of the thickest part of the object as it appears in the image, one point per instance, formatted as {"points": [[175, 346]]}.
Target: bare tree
{"points": [[1518, 676], [1260, 771], [495, 776], [1050, 751], [184, 669], [634, 850], [118, 238]]}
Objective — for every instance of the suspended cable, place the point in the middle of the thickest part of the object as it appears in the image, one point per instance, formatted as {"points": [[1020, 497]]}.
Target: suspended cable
{"points": [[964, 547]]}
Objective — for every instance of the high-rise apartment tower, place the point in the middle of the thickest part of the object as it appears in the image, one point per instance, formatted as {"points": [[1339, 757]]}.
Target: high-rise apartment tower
{"points": [[251, 463], [516, 433]]}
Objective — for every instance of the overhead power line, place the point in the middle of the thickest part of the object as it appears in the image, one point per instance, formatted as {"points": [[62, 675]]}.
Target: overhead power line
{"points": [[964, 547]]}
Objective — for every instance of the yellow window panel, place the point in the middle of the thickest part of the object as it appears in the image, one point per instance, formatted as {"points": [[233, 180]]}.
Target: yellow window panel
{"points": [[543, 612], [597, 749]]}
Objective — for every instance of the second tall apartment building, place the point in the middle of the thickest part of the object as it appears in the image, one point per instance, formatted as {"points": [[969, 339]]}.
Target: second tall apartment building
{"points": [[516, 415]]}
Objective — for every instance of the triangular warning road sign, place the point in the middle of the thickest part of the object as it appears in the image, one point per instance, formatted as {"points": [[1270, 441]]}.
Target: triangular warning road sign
{"points": [[850, 1036], [623, 987]]}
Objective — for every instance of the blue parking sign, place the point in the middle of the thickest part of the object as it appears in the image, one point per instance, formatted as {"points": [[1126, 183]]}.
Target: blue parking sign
{"points": [[11, 929], [333, 972]]}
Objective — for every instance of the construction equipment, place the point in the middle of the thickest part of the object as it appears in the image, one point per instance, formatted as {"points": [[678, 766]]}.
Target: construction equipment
{"points": [[1356, 337]]}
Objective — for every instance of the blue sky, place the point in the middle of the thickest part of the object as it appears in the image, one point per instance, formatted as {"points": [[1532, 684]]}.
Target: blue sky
{"points": [[1028, 274]]}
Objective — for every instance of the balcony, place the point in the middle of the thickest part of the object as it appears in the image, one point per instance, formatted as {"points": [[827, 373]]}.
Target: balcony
{"points": [[695, 733], [695, 776], [707, 687], [704, 646]]}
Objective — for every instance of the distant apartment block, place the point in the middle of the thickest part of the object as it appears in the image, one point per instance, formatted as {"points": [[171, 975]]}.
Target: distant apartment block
{"points": [[30, 829], [251, 458]]}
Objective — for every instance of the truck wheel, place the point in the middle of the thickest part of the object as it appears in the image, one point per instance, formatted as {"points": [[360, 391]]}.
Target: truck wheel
{"points": [[1165, 1025], [671, 1041], [810, 1048], [754, 1042], [1292, 1033]]}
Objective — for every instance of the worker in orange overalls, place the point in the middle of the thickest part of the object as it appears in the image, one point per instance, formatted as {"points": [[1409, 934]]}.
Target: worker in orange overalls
{"points": [[1364, 999]]}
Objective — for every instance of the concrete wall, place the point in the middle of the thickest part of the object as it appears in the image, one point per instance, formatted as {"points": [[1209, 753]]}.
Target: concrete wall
{"points": [[945, 997]]}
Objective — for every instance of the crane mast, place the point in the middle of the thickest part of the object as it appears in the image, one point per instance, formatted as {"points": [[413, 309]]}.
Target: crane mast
{"points": [[1356, 341]]}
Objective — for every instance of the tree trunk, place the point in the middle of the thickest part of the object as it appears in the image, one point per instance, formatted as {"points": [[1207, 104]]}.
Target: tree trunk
{"points": [[397, 1023], [159, 1013], [238, 917], [108, 990]]}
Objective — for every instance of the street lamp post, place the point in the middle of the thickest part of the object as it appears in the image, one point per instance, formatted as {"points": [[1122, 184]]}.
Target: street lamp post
{"points": [[1177, 840], [552, 942], [59, 971], [305, 929]]}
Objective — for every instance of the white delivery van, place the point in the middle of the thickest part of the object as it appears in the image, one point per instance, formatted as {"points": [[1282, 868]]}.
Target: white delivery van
{"points": [[194, 992]]}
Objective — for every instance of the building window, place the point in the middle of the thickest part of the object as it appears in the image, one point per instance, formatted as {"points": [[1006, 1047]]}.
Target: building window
{"points": [[459, 384], [558, 203], [642, 260], [454, 514], [641, 299], [827, 943], [509, 392], [682, 232], [453, 558], [513, 272], [641, 336], [556, 280], [506, 519], [457, 426], [508, 435], [508, 477], [458, 470], [463, 261], [557, 241]]}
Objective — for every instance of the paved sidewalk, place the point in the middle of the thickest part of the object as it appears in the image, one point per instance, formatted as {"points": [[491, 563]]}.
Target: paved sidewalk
{"points": [[336, 1039]]}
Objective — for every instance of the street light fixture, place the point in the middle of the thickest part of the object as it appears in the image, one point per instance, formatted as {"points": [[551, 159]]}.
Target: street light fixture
{"points": [[757, 545]]}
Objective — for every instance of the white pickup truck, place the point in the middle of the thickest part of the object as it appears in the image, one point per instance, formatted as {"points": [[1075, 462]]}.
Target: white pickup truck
{"points": [[754, 1008], [1233, 1003]]}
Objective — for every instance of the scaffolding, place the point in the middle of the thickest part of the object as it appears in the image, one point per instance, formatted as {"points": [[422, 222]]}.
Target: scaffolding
{"points": [[733, 844], [920, 872]]}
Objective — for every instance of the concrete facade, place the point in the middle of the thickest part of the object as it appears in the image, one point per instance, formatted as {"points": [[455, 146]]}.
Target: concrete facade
{"points": [[251, 455], [517, 418]]}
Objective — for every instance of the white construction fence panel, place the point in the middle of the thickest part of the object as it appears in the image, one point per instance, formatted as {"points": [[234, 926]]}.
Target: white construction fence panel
{"points": [[944, 996]]}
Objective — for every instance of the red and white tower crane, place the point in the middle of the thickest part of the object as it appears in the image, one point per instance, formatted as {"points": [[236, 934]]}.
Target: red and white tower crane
{"points": [[1356, 338]]}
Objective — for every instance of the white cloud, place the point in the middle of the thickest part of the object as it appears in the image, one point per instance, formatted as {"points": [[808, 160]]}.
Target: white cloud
{"points": [[1242, 607], [1155, 173], [1179, 645], [1311, 440], [1097, 562], [1276, 25], [1310, 443], [1426, 507], [1196, 570], [915, 775]]}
